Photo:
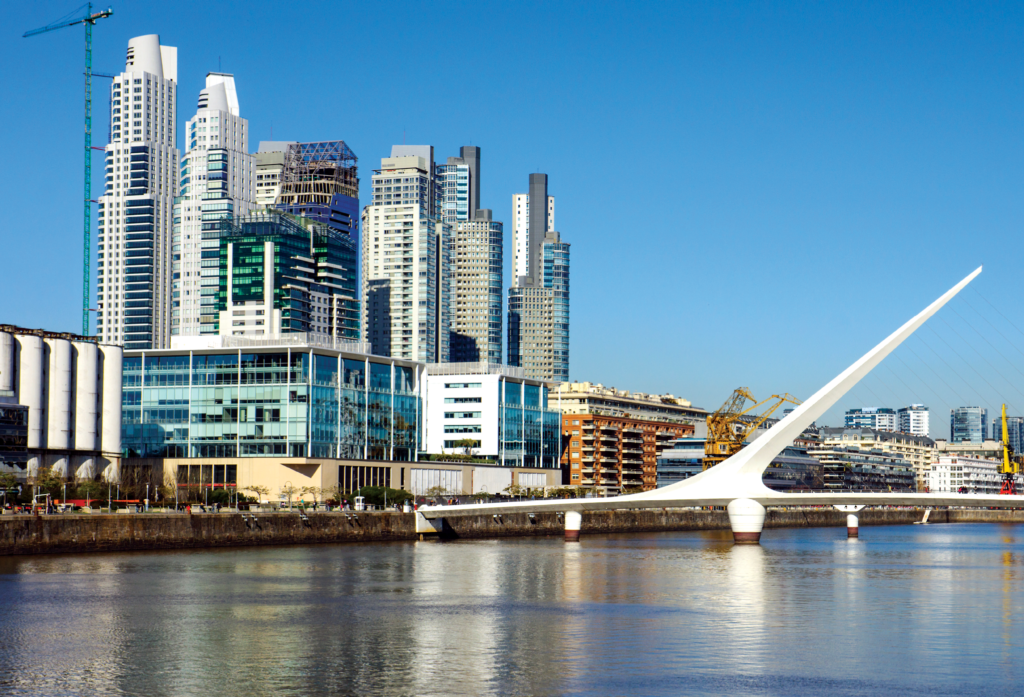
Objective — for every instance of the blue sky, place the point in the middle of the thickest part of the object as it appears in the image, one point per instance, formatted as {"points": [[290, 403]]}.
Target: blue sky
{"points": [[755, 193]]}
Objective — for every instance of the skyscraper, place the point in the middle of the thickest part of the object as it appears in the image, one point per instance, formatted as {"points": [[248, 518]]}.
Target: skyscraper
{"points": [[538, 305], [913, 420], [406, 272], [968, 424], [1014, 429], [278, 274], [459, 180], [521, 226], [319, 182], [477, 262], [217, 181], [133, 275]]}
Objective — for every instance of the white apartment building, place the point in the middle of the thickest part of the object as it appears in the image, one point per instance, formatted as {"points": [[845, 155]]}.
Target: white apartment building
{"points": [[914, 420], [918, 452], [406, 277], [270, 160], [133, 277], [975, 475], [217, 181], [521, 229]]}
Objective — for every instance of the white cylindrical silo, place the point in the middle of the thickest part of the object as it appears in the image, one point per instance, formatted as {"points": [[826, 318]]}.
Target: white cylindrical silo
{"points": [[87, 368], [30, 386], [58, 397], [110, 433], [6, 361], [85, 468]]}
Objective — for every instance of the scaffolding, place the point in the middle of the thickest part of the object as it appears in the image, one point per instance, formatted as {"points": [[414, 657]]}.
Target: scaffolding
{"points": [[315, 172]]}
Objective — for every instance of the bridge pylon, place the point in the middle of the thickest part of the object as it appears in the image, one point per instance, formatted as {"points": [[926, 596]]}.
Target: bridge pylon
{"points": [[852, 519], [746, 518]]}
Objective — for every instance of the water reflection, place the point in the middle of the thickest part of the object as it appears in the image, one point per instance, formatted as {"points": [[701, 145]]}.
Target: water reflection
{"points": [[908, 610]]}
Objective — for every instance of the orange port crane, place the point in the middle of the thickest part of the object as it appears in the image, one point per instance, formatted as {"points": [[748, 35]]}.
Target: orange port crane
{"points": [[729, 427]]}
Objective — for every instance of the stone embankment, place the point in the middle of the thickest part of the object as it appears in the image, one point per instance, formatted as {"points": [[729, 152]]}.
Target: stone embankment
{"points": [[110, 533]]}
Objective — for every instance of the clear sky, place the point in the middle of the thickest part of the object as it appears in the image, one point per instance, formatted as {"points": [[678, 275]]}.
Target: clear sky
{"points": [[756, 193]]}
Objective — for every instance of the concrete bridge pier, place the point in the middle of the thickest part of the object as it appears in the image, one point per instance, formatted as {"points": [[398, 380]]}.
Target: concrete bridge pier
{"points": [[852, 519], [746, 518], [573, 523]]}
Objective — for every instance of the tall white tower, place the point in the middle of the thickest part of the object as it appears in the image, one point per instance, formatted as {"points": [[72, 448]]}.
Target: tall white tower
{"points": [[135, 212], [407, 281], [521, 228], [217, 181]]}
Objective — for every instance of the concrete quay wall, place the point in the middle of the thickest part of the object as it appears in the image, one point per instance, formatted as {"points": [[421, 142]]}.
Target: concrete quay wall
{"points": [[111, 533]]}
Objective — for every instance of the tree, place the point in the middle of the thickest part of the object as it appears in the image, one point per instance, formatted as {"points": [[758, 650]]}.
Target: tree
{"points": [[259, 490], [314, 491], [48, 482], [436, 490], [382, 495], [90, 490], [9, 484], [467, 445], [289, 490]]}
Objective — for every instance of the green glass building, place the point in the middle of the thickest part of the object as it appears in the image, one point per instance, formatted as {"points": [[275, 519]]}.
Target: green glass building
{"points": [[281, 274]]}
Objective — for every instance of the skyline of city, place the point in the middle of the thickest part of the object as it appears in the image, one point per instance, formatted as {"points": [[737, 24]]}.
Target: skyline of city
{"points": [[705, 386]]}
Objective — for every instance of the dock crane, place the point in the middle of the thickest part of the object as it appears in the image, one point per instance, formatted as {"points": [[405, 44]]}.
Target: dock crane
{"points": [[88, 20], [1011, 465], [727, 429]]}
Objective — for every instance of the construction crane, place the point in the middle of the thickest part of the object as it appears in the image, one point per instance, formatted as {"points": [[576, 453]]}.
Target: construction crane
{"points": [[88, 20], [729, 427], [1011, 463]]}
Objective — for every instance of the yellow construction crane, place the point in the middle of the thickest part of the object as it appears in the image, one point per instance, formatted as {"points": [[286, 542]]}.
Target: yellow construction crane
{"points": [[728, 429], [1011, 463]]}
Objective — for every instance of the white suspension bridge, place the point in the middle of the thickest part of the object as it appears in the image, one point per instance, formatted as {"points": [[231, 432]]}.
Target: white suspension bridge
{"points": [[736, 483]]}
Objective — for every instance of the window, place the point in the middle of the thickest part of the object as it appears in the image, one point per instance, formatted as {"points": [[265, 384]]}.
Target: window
{"points": [[461, 385]]}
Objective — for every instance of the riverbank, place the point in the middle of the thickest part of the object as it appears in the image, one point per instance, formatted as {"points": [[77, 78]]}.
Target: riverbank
{"points": [[149, 531]]}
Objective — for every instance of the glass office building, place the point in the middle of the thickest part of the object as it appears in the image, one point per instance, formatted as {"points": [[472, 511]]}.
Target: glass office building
{"points": [[276, 400], [969, 425]]}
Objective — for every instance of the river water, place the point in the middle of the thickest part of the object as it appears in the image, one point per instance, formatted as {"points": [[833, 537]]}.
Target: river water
{"points": [[911, 610]]}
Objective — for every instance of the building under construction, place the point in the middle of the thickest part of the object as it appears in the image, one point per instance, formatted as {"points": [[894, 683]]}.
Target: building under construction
{"points": [[320, 182]]}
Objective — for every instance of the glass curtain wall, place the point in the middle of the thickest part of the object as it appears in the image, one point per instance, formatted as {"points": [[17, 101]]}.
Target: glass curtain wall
{"points": [[291, 404]]}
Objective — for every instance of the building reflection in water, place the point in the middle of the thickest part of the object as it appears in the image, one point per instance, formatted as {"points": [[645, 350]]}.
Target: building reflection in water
{"points": [[616, 614]]}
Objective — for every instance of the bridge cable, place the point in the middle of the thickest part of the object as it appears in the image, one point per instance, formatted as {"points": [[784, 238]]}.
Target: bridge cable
{"points": [[990, 344], [1015, 347], [927, 384], [962, 400], [998, 393], [1003, 377], [887, 387], [981, 397], [997, 311], [895, 375]]}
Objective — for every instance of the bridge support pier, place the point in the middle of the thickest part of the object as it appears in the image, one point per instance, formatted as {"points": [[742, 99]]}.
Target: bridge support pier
{"points": [[852, 519], [746, 518], [573, 523]]}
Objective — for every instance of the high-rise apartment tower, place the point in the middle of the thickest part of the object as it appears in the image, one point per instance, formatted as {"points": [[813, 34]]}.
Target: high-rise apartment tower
{"points": [[133, 275], [217, 181], [913, 420], [968, 425], [406, 260], [538, 305]]}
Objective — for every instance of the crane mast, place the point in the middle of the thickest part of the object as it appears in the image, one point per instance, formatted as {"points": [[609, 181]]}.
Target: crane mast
{"points": [[88, 21], [728, 429], [1010, 466]]}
